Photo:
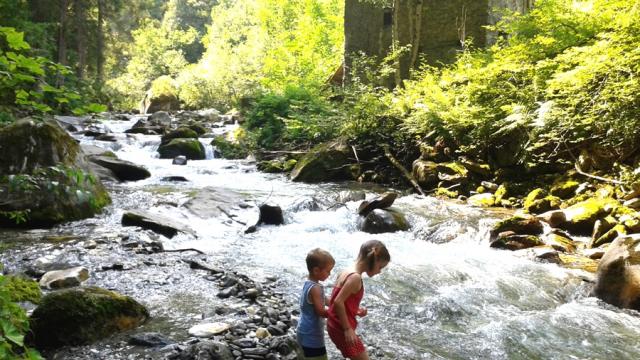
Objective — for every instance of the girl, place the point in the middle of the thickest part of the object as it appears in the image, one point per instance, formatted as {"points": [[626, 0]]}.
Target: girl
{"points": [[345, 300]]}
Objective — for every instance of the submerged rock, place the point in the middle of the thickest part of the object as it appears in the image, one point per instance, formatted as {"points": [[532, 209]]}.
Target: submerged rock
{"points": [[82, 316]]}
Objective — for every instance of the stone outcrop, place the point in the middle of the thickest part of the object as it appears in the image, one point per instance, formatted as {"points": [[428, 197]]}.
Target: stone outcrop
{"points": [[381, 221], [326, 162], [618, 276], [156, 223], [44, 176], [192, 149], [82, 316]]}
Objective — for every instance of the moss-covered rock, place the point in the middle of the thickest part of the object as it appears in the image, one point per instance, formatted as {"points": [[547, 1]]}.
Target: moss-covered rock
{"points": [[601, 226], [500, 193], [534, 195], [191, 148], [289, 165], [565, 189], [198, 128], [326, 162], [271, 166], [559, 242], [609, 236], [482, 200], [82, 316], [179, 133], [580, 218], [228, 149], [580, 262], [452, 172], [50, 196], [446, 193], [516, 242], [521, 225], [22, 288]]}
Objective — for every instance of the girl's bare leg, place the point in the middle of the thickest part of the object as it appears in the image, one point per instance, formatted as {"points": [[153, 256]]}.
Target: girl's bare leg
{"points": [[362, 356]]}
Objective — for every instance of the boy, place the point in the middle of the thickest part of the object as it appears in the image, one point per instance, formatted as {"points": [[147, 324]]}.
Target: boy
{"points": [[312, 305]]}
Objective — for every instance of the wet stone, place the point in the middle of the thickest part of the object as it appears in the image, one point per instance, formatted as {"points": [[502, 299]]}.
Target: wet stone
{"points": [[244, 343], [149, 339]]}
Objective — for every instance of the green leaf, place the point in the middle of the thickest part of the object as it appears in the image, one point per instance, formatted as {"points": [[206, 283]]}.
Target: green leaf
{"points": [[11, 333], [15, 39]]}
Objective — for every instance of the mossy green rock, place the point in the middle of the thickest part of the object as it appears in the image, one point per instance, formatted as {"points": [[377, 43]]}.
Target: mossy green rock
{"points": [[559, 243], [447, 193], [191, 148], [521, 225], [545, 204], [565, 190], [29, 144], [501, 193], [50, 196], [609, 236], [179, 133], [482, 200], [580, 218], [82, 316], [271, 166], [516, 242], [326, 162], [228, 149]]}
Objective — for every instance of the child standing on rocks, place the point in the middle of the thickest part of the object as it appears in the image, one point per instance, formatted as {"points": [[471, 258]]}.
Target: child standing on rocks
{"points": [[346, 297], [310, 330]]}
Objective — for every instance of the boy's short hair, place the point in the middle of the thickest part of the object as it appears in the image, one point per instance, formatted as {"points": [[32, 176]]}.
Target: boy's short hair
{"points": [[318, 258]]}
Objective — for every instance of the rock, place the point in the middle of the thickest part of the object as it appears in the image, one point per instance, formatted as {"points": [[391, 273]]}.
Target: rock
{"points": [[481, 200], [601, 226], [179, 133], [92, 150], [453, 172], [174, 179], [559, 242], [155, 102], [594, 254], [522, 225], [272, 166], [618, 275], [580, 218], [262, 333], [206, 350], [45, 177], [179, 160], [580, 262], [149, 339], [490, 186], [192, 149], [212, 202], [270, 215], [305, 204], [382, 202], [609, 236], [326, 162], [425, 173], [510, 241], [508, 142], [123, 170], [537, 201], [596, 158], [501, 193], [81, 316], [64, 278], [209, 329], [153, 222], [565, 190], [381, 221], [482, 170], [349, 195]]}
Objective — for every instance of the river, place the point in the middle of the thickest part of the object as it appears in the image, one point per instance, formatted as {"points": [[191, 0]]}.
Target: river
{"points": [[445, 294]]}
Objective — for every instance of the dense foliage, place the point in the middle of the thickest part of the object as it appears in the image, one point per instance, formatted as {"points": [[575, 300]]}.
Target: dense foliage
{"points": [[13, 324]]}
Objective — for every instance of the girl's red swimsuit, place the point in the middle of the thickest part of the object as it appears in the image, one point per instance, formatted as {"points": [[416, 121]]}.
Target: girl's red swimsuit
{"points": [[336, 333]]}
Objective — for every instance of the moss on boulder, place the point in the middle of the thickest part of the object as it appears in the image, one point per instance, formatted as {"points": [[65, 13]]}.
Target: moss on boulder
{"points": [[326, 162], [191, 148], [23, 289], [521, 225], [564, 189], [425, 172], [82, 316], [482, 200], [580, 218], [179, 133], [516, 242]]}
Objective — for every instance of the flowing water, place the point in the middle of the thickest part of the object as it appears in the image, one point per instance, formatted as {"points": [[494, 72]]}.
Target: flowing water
{"points": [[445, 294]]}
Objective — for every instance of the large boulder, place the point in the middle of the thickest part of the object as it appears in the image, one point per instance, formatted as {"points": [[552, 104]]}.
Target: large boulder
{"points": [[191, 148], [122, 169], [381, 221], [581, 217], [82, 316], [44, 176], [156, 223], [179, 133], [326, 162], [520, 225], [618, 275]]}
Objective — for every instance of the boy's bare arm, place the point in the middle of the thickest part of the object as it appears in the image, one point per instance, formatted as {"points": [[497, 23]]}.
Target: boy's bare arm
{"points": [[315, 296]]}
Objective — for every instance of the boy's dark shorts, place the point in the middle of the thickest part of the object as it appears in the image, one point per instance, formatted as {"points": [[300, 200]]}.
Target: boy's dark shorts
{"points": [[314, 353]]}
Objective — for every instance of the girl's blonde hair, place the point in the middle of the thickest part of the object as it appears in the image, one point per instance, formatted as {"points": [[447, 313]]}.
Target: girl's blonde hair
{"points": [[372, 251]]}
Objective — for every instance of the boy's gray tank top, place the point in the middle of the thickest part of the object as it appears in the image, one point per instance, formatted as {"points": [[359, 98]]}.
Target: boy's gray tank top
{"points": [[311, 326]]}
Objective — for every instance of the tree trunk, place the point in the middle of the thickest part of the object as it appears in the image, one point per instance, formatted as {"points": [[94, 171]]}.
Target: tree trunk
{"points": [[100, 43], [81, 28], [62, 41]]}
